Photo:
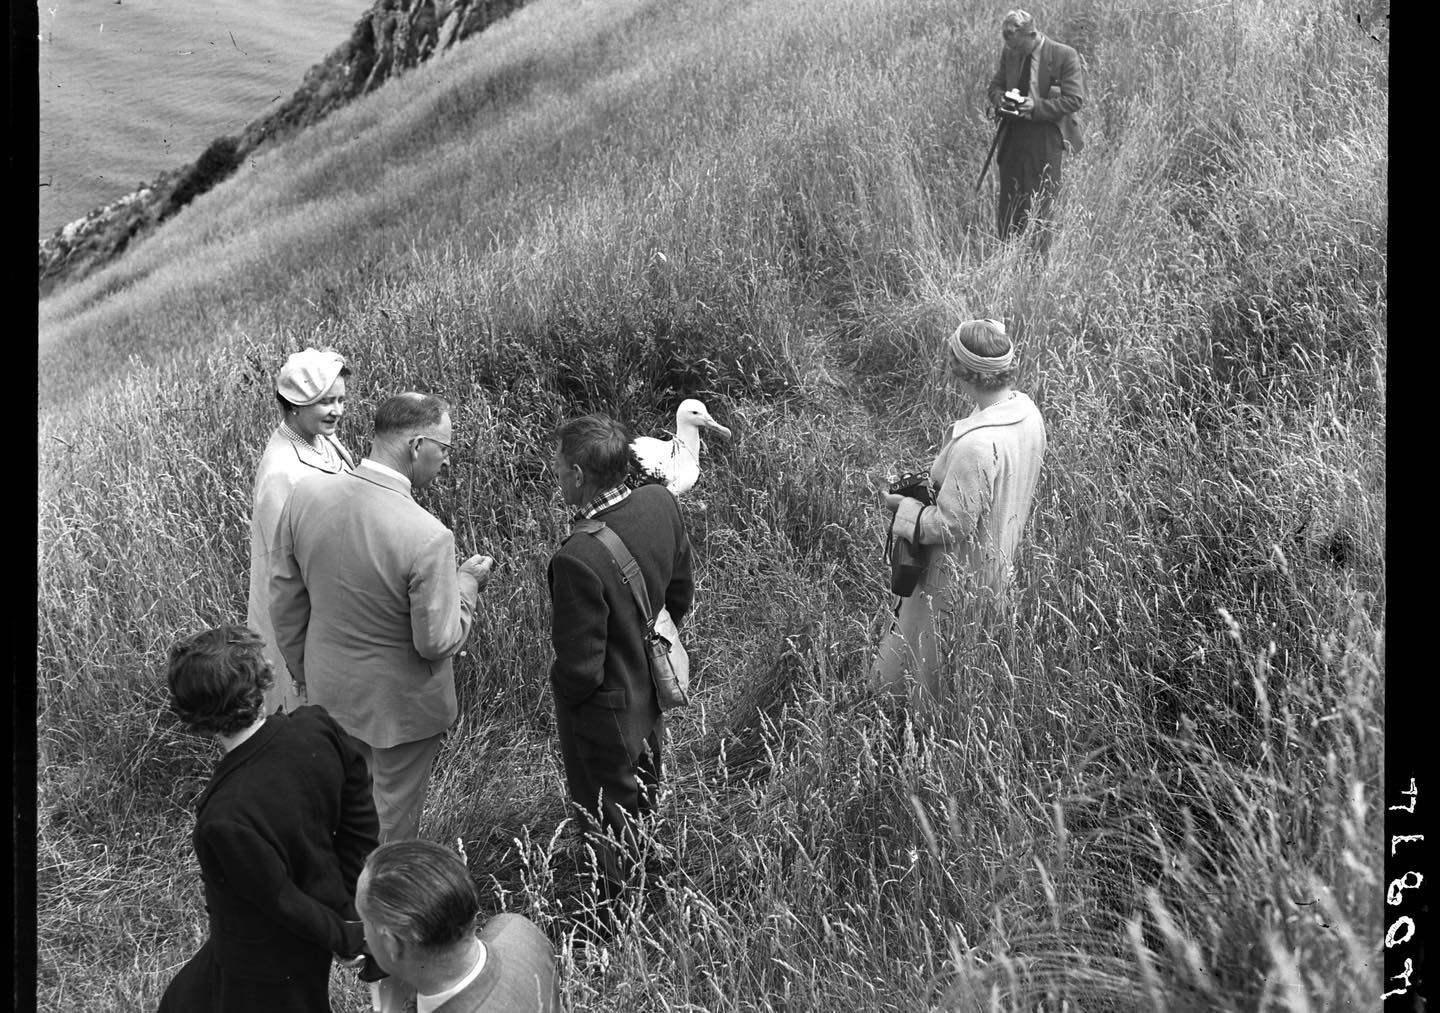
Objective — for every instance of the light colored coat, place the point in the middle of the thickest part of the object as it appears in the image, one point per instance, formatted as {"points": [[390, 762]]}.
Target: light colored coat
{"points": [[368, 606], [283, 464], [985, 474], [519, 972]]}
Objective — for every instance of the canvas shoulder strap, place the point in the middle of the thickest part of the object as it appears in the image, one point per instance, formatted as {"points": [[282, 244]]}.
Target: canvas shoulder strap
{"points": [[630, 574]]}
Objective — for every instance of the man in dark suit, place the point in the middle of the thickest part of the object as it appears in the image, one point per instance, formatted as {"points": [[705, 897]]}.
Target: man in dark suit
{"points": [[606, 713], [1036, 91], [281, 834]]}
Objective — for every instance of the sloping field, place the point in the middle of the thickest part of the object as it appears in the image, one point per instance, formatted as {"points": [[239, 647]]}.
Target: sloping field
{"points": [[1160, 789]]}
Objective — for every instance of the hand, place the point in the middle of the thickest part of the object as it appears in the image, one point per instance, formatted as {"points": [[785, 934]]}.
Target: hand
{"points": [[479, 567], [370, 970], [892, 501], [364, 963]]}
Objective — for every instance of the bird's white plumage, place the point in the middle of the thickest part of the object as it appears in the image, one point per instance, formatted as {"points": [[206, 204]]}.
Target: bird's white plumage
{"points": [[677, 462]]}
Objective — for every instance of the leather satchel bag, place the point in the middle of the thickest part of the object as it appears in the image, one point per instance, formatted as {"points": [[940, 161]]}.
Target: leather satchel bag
{"points": [[668, 661]]}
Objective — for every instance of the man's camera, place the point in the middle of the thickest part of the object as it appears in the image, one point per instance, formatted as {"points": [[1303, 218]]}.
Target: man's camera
{"points": [[370, 971]]}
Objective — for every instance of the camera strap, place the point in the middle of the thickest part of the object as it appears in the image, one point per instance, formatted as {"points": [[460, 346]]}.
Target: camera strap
{"points": [[630, 574]]}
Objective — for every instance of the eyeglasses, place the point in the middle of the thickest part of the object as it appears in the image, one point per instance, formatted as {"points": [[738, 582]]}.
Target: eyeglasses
{"points": [[444, 447]]}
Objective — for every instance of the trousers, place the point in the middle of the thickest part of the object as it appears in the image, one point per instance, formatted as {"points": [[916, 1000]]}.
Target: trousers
{"points": [[1030, 161], [400, 778], [615, 793]]}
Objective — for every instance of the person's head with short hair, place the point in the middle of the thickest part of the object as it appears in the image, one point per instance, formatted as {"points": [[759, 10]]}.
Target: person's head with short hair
{"points": [[218, 678], [1018, 30], [413, 435], [981, 354], [419, 907], [592, 454]]}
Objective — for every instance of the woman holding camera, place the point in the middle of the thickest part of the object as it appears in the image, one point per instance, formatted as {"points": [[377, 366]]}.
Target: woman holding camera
{"points": [[982, 483]]}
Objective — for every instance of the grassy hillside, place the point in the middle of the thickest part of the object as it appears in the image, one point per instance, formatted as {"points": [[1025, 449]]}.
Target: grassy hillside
{"points": [[1159, 790]]}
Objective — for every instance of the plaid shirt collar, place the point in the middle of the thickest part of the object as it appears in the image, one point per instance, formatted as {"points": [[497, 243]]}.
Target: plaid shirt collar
{"points": [[602, 501]]}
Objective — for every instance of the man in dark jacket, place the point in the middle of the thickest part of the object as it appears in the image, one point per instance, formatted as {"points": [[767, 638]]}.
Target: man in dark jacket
{"points": [[281, 834], [606, 713], [1036, 91]]}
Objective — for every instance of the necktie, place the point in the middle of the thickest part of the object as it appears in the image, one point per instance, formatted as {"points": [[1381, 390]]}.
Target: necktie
{"points": [[1025, 73]]}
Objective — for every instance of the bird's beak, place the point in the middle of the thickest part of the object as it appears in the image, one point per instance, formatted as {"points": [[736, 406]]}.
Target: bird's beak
{"points": [[712, 424]]}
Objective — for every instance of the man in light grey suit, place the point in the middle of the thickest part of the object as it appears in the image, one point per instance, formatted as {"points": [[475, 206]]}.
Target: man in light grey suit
{"points": [[369, 606]]}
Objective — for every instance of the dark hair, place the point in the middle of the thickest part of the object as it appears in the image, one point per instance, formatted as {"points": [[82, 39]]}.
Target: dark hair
{"points": [[287, 405], [405, 413], [600, 445], [218, 679], [422, 892], [983, 338]]}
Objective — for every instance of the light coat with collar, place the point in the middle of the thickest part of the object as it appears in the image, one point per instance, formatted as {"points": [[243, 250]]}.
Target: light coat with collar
{"points": [[985, 476], [283, 464], [368, 605]]}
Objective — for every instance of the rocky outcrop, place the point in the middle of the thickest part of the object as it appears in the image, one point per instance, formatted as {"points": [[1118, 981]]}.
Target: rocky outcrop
{"points": [[392, 37]]}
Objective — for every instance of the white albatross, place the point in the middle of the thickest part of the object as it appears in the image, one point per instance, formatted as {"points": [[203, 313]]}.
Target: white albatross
{"points": [[677, 462]]}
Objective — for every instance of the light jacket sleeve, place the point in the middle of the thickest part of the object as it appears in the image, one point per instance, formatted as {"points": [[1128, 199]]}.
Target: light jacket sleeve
{"points": [[964, 496], [273, 485], [1072, 90], [579, 621], [442, 605], [289, 599]]}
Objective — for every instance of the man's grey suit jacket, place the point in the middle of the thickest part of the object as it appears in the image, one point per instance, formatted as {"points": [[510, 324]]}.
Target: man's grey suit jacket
{"points": [[368, 607]]}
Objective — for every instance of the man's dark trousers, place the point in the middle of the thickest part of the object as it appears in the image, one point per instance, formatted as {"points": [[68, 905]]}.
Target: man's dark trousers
{"points": [[602, 782], [1029, 161]]}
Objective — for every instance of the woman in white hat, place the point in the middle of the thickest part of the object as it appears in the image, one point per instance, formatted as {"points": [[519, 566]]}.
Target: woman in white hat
{"points": [[311, 393], [983, 482]]}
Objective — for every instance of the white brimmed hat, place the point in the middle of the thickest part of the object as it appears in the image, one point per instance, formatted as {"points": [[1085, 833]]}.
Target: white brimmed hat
{"points": [[307, 375]]}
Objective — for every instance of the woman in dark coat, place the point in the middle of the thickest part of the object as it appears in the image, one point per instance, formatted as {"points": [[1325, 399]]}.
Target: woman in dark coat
{"points": [[281, 834]]}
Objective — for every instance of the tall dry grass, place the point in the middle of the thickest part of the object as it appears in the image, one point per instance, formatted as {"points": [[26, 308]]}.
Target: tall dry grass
{"points": [[1158, 790]]}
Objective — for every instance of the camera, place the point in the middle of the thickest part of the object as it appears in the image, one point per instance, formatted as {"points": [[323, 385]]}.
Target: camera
{"points": [[908, 560], [914, 484], [371, 971]]}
